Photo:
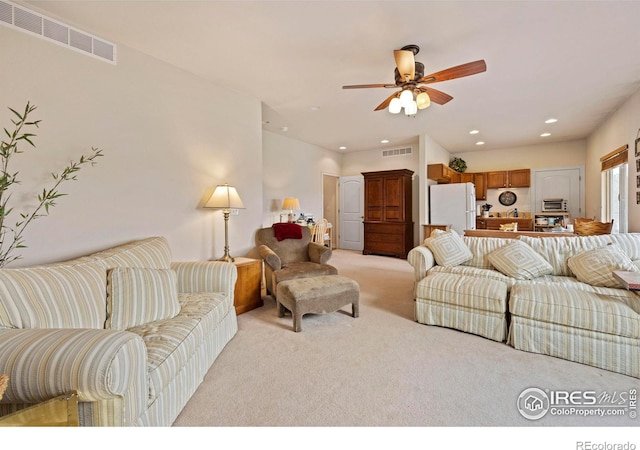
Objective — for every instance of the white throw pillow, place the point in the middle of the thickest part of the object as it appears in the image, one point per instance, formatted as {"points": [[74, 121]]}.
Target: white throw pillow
{"points": [[519, 261], [448, 248], [137, 296], [595, 266]]}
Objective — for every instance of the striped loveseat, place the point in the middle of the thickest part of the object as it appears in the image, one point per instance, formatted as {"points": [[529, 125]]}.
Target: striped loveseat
{"points": [[549, 295], [132, 332]]}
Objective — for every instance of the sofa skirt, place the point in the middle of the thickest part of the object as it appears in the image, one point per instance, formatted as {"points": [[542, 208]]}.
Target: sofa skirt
{"points": [[606, 351]]}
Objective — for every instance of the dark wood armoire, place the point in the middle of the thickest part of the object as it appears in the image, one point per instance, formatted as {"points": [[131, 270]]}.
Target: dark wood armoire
{"points": [[388, 223]]}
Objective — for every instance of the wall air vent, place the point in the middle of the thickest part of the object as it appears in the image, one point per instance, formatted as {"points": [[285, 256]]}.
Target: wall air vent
{"points": [[34, 23], [397, 152]]}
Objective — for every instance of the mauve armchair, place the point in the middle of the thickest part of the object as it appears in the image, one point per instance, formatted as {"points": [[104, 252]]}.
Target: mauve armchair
{"points": [[291, 258]]}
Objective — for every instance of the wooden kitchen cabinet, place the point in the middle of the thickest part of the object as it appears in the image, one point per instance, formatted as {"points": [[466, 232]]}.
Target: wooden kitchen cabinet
{"points": [[388, 223], [480, 180], [442, 174], [509, 179]]}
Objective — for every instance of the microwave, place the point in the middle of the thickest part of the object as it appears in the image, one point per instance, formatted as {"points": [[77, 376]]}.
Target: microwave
{"points": [[554, 205]]}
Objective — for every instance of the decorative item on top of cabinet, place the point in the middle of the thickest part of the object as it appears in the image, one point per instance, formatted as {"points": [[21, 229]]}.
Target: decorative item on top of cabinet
{"points": [[388, 225], [509, 179]]}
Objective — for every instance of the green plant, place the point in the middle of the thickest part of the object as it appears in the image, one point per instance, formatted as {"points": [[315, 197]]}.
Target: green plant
{"points": [[458, 164], [11, 237]]}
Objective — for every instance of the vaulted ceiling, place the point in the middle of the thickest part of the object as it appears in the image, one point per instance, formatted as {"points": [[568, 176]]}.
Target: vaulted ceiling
{"points": [[576, 61]]}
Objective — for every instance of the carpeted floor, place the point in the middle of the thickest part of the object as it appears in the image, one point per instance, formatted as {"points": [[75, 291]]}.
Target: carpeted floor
{"points": [[382, 369]]}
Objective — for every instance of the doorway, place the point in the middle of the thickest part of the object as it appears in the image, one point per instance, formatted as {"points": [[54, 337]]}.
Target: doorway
{"points": [[330, 205], [351, 213]]}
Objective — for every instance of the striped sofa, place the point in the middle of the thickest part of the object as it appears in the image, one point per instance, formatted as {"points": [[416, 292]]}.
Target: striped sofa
{"points": [[552, 307], [128, 329]]}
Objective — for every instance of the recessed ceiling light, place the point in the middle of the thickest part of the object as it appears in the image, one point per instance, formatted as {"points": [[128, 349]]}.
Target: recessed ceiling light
{"points": [[342, 147], [474, 132], [284, 128], [480, 143], [266, 122], [545, 134], [315, 108], [552, 120], [384, 141]]}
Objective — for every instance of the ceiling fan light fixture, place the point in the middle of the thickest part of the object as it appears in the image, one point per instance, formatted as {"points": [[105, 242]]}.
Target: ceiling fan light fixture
{"points": [[422, 100], [406, 98], [411, 109], [395, 106]]}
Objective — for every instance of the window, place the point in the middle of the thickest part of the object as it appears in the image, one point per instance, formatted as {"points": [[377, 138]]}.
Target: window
{"points": [[614, 189]]}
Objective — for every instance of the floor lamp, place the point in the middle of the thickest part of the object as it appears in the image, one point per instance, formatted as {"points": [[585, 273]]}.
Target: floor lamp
{"points": [[226, 198]]}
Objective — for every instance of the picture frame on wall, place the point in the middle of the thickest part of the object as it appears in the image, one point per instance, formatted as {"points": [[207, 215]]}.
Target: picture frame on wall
{"points": [[638, 198], [638, 165], [637, 147]]}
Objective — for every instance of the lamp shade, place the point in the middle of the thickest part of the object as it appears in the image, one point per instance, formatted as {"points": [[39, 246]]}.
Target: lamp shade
{"points": [[291, 204], [225, 197]]}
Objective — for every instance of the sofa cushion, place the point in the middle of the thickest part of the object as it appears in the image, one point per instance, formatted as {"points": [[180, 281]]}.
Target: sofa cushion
{"points": [[563, 305], [448, 248], [60, 296], [557, 250], [595, 266], [481, 247], [464, 291], [518, 260], [138, 296], [172, 343], [150, 253]]}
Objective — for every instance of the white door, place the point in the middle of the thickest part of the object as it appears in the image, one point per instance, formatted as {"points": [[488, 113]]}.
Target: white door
{"points": [[558, 183], [352, 212]]}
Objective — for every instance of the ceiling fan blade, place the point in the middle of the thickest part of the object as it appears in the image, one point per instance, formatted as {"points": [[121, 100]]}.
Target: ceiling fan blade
{"points": [[362, 86], [406, 64], [385, 103], [436, 96], [451, 73]]}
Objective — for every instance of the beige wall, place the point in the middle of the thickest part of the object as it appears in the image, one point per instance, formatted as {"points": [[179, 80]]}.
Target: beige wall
{"points": [[543, 156], [293, 168], [621, 128], [168, 139]]}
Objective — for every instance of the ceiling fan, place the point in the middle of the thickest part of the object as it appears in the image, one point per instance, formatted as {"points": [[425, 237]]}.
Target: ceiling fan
{"points": [[410, 78]]}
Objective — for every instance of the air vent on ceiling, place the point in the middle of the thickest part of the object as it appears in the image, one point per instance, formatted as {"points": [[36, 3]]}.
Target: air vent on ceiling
{"points": [[397, 152], [23, 19]]}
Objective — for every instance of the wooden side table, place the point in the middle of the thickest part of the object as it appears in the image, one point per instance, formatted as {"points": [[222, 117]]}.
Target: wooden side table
{"points": [[248, 290], [60, 411]]}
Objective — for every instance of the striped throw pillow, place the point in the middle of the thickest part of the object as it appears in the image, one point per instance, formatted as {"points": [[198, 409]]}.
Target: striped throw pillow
{"points": [[595, 266], [448, 248], [137, 296], [518, 260]]}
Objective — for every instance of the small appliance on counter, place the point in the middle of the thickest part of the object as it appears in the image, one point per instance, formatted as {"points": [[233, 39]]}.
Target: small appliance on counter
{"points": [[554, 205]]}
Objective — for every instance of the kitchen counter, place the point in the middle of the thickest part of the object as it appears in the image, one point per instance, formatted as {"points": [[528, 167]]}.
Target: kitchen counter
{"points": [[493, 223], [515, 234]]}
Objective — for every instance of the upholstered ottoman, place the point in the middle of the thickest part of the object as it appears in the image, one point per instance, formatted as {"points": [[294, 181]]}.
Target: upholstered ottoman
{"points": [[319, 295], [466, 303]]}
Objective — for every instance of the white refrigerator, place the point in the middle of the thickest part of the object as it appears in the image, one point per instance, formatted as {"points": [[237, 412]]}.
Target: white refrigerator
{"points": [[453, 204]]}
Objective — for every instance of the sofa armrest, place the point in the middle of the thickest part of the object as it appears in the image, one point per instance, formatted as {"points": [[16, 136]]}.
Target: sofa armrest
{"points": [[206, 276], [270, 257], [319, 253], [421, 259], [99, 364]]}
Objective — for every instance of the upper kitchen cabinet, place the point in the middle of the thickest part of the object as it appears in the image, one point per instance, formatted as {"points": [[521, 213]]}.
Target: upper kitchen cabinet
{"points": [[480, 180], [519, 178], [442, 173]]}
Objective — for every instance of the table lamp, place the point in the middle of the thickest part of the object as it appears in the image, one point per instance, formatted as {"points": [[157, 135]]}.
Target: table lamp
{"points": [[225, 197], [291, 204]]}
